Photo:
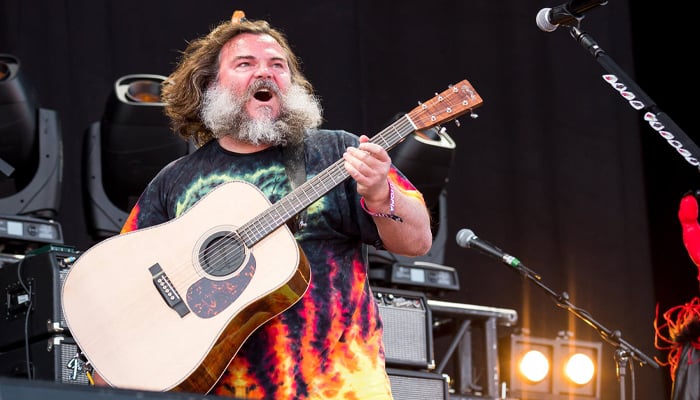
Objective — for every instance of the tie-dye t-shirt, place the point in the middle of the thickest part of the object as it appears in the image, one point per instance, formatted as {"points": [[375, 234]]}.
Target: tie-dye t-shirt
{"points": [[328, 345]]}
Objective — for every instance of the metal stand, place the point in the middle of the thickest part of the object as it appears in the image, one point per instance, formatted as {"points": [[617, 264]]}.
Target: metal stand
{"points": [[472, 318], [630, 91], [674, 136], [623, 350], [621, 360]]}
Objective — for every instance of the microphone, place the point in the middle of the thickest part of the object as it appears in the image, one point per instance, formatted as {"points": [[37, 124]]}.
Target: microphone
{"points": [[466, 238], [548, 19]]}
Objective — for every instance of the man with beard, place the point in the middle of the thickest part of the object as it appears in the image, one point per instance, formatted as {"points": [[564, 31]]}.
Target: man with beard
{"points": [[239, 95]]}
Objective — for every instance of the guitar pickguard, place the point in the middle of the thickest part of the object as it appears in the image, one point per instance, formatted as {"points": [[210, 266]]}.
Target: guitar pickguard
{"points": [[207, 297]]}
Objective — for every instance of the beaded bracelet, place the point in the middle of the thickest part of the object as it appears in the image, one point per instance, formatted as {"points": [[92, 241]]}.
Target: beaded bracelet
{"points": [[391, 214]]}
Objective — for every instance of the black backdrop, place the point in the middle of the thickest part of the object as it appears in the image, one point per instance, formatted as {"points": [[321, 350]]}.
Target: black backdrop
{"points": [[557, 169]]}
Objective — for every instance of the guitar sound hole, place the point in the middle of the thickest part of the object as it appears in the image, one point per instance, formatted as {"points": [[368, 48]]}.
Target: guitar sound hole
{"points": [[222, 254]]}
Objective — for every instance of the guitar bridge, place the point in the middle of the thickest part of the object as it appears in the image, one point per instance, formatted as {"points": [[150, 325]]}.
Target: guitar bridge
{"points": [[167, 290]]}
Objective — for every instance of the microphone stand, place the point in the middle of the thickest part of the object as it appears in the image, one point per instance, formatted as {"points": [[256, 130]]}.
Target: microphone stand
{"points": [[674, 136], [628, 89], [623, 350]]}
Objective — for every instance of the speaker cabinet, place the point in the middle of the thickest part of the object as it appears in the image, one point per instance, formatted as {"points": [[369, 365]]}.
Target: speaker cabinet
{"points": [[53, 359], [31, 305], [417, 385], [408, 334]]}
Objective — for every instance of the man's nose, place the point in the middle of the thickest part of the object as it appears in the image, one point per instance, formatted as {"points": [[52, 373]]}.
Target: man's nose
{"points": [[263, 71]]}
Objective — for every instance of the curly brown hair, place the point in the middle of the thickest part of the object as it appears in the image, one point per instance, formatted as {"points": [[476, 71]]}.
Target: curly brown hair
{"points": [[198, 68]]}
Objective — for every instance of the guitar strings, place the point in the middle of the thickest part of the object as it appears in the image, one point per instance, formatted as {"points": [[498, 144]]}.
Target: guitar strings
{"points": [[279, 213], [220, 253]]}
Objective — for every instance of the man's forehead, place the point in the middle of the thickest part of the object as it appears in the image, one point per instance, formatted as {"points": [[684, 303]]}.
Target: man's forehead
{"points": [[248, 41]]}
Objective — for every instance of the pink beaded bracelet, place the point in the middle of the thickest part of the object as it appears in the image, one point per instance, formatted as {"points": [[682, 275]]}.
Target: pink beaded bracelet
{"points": [[391, 214]]}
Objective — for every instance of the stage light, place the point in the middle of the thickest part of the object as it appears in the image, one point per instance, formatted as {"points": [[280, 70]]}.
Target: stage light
{"points": [[580, 369], [31, 167], [125, 150], [534, 366], [529, 365], [552, 369]]}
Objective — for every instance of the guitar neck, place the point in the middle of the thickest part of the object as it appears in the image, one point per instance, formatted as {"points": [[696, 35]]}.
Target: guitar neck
{"points": [[315, 188], [445, 106]]}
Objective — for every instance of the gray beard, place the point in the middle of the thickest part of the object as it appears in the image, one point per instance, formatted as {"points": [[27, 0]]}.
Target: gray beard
{"points": [[224, 114]]}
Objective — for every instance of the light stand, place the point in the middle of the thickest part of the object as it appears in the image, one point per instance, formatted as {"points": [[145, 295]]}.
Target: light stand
{"points": [[42, 195], [31, 165], [30, 148]]}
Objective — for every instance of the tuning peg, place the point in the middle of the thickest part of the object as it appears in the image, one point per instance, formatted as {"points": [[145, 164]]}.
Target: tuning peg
{"points": [[457, 123], [473, 114]]}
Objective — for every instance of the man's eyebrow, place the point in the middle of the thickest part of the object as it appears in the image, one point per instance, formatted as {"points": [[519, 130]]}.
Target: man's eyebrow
{"points": [[250, 57]]}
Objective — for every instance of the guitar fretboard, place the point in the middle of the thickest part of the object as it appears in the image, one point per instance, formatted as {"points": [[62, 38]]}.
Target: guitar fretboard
{"points": [[315, 188], [445, 106]]}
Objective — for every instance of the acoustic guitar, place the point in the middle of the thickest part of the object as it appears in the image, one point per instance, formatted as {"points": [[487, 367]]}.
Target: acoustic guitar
{"points": [[166, 308]]}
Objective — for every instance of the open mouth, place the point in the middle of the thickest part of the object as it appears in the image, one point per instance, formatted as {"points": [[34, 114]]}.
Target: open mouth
{"points": [[263, 95]]}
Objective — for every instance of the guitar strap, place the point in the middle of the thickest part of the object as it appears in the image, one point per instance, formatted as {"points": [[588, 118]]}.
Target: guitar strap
{"points": [[293, 156]]}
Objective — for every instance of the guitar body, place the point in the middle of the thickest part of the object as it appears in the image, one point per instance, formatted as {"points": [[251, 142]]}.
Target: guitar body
{"points": [[157, 309]]}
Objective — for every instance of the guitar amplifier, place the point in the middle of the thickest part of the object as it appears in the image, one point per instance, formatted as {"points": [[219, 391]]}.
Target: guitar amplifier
{"points": [[30, 306], [418, 385], [408, 333], [54, 359]]}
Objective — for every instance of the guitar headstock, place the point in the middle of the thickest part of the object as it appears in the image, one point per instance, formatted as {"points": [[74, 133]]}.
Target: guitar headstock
{"points": [[457, 100]]}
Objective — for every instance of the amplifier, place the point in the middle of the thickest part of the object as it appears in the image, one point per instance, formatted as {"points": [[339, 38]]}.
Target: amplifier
{"points": [[417, 385], [53, 359], [30, 306], [408, 332]]}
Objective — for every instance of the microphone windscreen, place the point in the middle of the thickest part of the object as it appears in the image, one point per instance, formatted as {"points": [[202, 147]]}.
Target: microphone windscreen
{"points": [[464, 237], [542, 20]]}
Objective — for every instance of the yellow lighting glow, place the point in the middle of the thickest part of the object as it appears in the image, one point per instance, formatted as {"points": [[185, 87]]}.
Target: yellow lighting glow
{"points": [[534, 366], [580, 369]]}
